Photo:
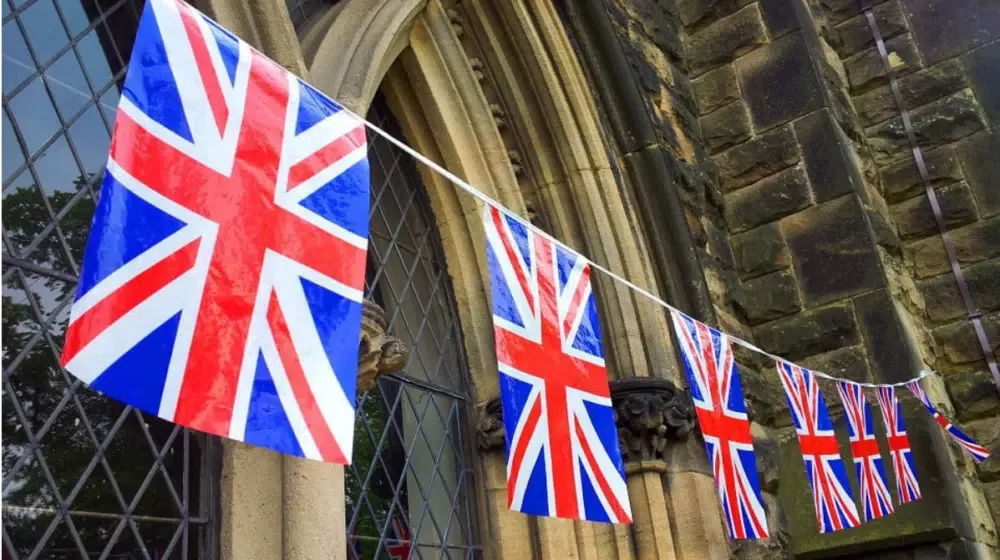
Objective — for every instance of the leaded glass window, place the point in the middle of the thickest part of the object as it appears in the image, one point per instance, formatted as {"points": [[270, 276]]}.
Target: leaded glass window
{"points": [[83, 476], [408, 487]]}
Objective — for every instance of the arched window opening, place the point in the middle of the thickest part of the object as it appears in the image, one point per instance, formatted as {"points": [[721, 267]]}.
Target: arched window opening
{"points": [[408, 489]]}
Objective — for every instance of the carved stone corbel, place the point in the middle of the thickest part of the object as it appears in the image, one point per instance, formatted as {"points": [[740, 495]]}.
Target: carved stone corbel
{"points": [[378, 352], [489, 431], [650, 412]]}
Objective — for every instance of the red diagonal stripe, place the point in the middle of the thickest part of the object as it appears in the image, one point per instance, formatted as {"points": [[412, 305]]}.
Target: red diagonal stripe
{"points": [[517, 454], [206, 70], [98, 318], [326, 156], [621, 516], [321, 434]]}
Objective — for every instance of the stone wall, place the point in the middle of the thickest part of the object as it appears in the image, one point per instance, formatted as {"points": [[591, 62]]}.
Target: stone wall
{"points": [[815, 235], [947, 58]]}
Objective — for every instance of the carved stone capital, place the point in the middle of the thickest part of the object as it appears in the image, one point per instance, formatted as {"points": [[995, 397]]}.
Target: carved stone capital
{"points": [[489, 431], [378, 352], [649, 413]]}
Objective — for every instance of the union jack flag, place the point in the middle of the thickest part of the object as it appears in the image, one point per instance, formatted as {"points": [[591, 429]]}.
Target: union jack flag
{"points": [[899, 445], [722, 415], [875, 499], [976, 451], [401, 545], [835, 509], [222, 280], [562, 446]]}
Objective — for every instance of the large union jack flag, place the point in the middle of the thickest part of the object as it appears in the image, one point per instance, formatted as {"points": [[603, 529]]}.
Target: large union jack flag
{"points": [[875, 498], [899, 445], [976, 451], [722, 416], [222, 280], [835, 509], [563, 458]]}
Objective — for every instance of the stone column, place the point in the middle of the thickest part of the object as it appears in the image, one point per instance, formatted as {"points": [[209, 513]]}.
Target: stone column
{"points": [[509, 534], [651, 415]]}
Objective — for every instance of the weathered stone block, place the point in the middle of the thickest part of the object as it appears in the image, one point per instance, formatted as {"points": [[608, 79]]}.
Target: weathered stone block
{"points": [[941, 122], [827, 163], [942, 297], [725, 39], [991, 492], [760, 250], [983, 65], [832, 252], [771, 296], [901, 180], [891, 349], [767, 200], [987, 433], [916, 89], [849, 363], [809, 333], [691, 11], [914, 218], [753, 160], [716, 88], [975, 395], [973, 243], [945, 29], [779, 82], [958, 342], [835, 11], [726, 127], [981, 162], [779, 15], [854, 34], [866, 69]]}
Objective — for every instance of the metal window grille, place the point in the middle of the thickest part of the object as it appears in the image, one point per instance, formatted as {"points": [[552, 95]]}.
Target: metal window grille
{"points": [[83, 476], [408, 487]]}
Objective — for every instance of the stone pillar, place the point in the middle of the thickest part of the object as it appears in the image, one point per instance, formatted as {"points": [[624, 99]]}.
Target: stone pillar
{"points": [[651, 414], [509, 534]]}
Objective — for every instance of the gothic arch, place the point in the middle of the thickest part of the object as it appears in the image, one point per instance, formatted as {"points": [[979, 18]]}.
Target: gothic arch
{"points": [[474, 104]]}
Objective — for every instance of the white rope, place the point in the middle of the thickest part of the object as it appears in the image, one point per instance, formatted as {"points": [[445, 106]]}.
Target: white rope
{"points": [[486, 199]]}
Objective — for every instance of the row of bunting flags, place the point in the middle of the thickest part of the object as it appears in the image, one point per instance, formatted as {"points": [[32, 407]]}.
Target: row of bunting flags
{"points": [[222, 285]]}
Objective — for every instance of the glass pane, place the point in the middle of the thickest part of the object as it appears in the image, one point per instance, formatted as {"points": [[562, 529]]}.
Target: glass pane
{"points": [[407, 489], [67, 448], [44, 30], [17, 64]]}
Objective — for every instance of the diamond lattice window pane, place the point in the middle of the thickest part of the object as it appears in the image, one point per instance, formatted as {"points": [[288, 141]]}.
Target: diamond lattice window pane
{"points": [[84, 476], [408, 487]]}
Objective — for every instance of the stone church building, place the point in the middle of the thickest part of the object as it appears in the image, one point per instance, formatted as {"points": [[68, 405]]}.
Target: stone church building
{"points": [[752, 161]]}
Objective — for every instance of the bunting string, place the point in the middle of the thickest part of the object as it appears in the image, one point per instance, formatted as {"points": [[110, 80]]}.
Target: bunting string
{"points": [[486, 199]]}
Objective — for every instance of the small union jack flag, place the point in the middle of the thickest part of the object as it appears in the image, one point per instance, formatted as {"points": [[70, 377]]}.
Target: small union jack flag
{"points": [[722, 415], [563, 458], [976, 451], [222, 280], [875, 499], [400, 542], [899, 445], [835, 509]]}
